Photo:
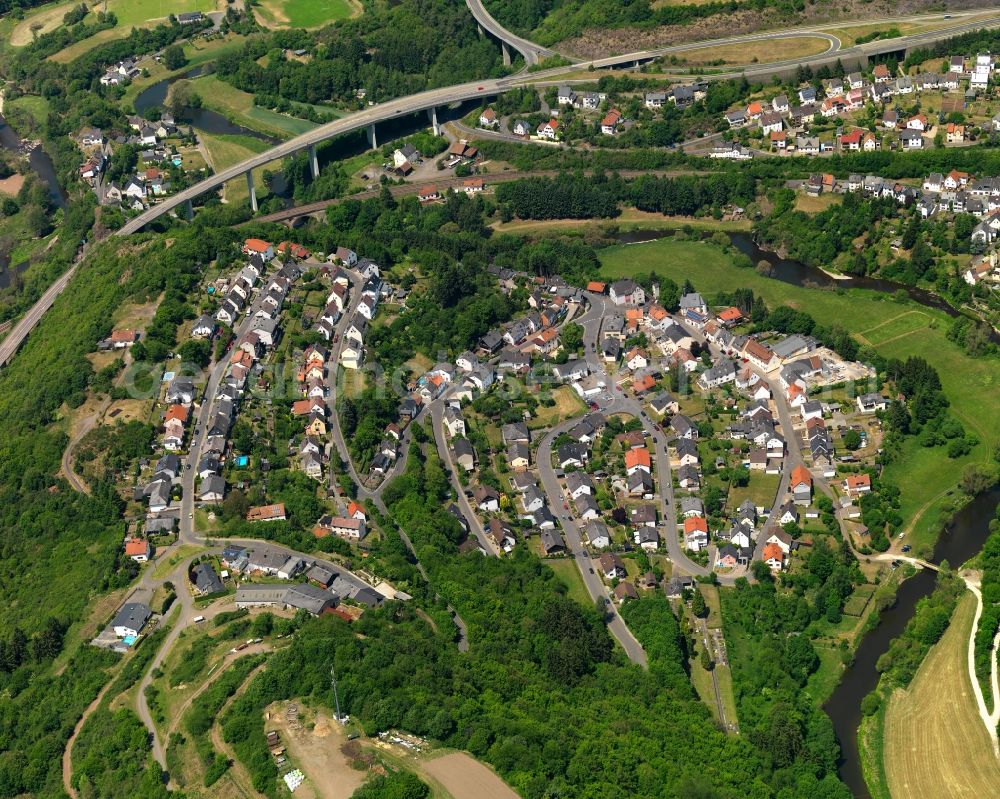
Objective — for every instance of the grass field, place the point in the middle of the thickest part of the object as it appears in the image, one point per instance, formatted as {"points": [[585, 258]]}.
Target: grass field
{"points": [[224, 151], [630, 219], [568, 404], [568, 572], [166, 565], [130, 13], [813, 205], [924, 476], [858, 601], [238, 107], [760, 52], [934, 743], [305, 13], [896, 327], [760, 491], [711, 594], [198, 52]]}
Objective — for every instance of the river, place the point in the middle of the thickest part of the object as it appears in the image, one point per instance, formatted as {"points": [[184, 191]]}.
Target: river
{"points": [[211, 122], [963, 539], [42, 166], [214, 123]]}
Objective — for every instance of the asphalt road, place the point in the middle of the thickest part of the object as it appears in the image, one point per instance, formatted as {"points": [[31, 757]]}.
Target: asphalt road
{"points": [[533, 53], [13, 340], [616, 402], [571, 531], [444, 451]]}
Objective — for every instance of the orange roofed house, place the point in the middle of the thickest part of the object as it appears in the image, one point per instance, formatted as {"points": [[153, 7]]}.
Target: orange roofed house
{"points": [[122, 339], [259, 247], [857, 484], [695, 533], [801, 485], [267, 513], [138, 550], [636, 459], [297, 251], [730, 316], [774, 557]]}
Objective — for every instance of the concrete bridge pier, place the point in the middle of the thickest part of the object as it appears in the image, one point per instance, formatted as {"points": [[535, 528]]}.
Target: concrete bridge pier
{"points": [[432, 114], [506, 53], [253, 191], [372, 140], [313, 162], [189, 211]]}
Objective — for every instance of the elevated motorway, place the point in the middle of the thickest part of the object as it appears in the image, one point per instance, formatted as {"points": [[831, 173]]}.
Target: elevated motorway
{"points": [[533, 53], [430, 100]]}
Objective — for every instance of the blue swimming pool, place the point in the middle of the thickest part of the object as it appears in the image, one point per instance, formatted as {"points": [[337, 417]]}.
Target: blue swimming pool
{"points": [[130, 639]]}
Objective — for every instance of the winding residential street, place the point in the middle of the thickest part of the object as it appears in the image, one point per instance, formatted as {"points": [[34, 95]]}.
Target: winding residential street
{"points": [[444, 451], [595, 586]]}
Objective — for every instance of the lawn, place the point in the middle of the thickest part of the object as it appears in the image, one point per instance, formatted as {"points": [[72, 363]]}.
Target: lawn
{"points": [[630, 219], [568, 404], [130, 13], [924, 476], [935, 743], [226, 150], [813, 205], [825, 678], [238, 107], [711, 594], [760, 490], [858, 601], [567, 571], [305, 13], [198, 52], [135, 12], [896, 327]]}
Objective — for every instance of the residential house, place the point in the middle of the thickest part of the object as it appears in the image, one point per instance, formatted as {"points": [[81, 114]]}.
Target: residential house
{"points": [[597, 535], [695, 533], [612, 567]]}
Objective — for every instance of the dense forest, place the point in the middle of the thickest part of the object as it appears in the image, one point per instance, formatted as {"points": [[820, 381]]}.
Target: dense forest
{"points": [[550, 21], [69, 543], [989, 622], [579, 196], [391, 50]]}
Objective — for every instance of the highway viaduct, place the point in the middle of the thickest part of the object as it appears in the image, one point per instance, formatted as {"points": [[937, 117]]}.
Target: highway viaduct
{"points": [[428, 102]]}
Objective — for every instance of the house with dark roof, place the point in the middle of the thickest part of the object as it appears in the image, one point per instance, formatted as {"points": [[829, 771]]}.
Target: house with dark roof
{"points": [[205, 580]]}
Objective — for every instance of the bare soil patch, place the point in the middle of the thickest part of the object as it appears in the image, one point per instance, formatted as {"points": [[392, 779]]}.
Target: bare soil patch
{"points": [[12, 185], [464, 777], [317, 752], [600, 43], [45, 21]]}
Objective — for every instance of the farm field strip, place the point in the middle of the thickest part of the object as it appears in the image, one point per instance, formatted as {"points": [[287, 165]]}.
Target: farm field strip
{"points": [[935, 744]]}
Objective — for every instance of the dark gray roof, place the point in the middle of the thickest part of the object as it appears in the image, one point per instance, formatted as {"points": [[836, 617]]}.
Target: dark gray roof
{"points": [[206, 580], [132, 615]]}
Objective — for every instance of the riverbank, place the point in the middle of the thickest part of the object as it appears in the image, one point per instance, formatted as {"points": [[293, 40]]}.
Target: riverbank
{"points": [[863, 739]]}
